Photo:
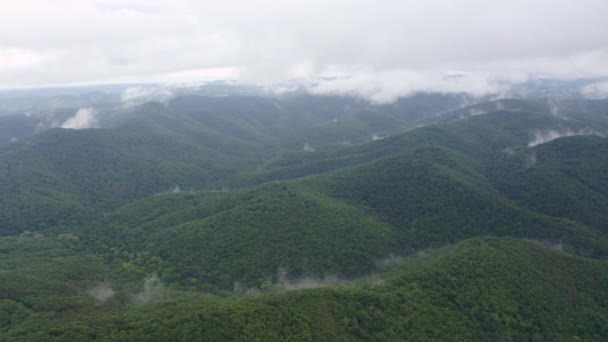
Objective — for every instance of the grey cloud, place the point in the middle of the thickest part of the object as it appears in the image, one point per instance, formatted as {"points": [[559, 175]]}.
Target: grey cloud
{"points": [[400, 46]]}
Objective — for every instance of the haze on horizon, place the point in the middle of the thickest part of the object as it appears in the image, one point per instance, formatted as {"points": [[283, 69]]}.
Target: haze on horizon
{"points": [[367, 47]]}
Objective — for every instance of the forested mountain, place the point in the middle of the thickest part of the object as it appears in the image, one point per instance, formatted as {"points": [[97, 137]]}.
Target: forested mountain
{"points": [[15, 127], [479, 289], [64, 176], [204, 217]]}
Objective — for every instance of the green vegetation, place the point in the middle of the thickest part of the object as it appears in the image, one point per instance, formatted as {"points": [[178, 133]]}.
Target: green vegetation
{"points": [[69, 177], [569, 178], [216, 240], [207, 220], [481, 289]]}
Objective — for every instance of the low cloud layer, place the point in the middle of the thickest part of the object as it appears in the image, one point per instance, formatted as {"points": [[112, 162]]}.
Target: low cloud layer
{"points": [[84, 118], [375, 49], [287, 283], [596, 90], [101, 292], [153, 289], [134, 96], [545, 136], [383, 87]]}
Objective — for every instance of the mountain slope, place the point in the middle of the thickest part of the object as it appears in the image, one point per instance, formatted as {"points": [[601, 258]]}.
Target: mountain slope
{"points": [[513, 290], [66, 177], [444, 183], [98, 170], [133, 239], [339, 223], [413, 193], [431, 198], [214, 240], [481, 137], [563, 178]]}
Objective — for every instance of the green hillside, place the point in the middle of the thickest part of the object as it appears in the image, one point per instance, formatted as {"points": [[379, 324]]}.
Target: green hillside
{"points": [[216, 240], [84, 172], [14, 128], [423, 188], [564, 178], [444, 183], [339, 222], [431, 198], [206, 219], [481, 137], [66, 177], [480, 289]]}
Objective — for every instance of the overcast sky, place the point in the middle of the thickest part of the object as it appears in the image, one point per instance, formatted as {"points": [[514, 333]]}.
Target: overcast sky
{"points": [[387, 44]]}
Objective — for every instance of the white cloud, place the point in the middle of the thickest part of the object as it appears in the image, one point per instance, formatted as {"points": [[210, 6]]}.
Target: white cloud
{"points": [[597, 90], [542, 137], [383, 87], [308, 148], [101, 292], [16, 58], [84, 118], [67, 41], [133, 96]]}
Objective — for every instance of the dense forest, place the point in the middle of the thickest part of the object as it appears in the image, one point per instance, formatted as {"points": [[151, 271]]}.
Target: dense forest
{"points": [[308, 218], [484, 288]]}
